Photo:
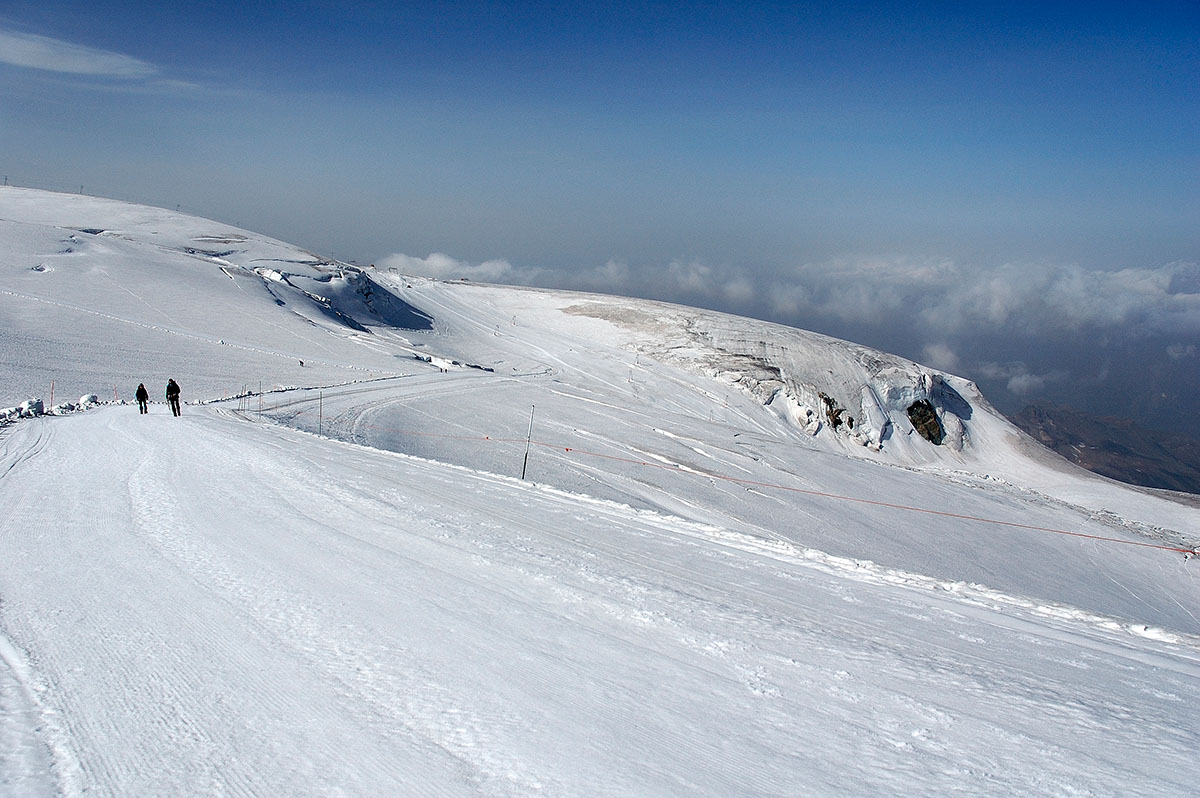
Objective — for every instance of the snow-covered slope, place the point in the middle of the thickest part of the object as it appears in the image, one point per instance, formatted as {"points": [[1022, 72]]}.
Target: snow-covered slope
{"points": [[223, 607], [733, 566], [97, 296]]}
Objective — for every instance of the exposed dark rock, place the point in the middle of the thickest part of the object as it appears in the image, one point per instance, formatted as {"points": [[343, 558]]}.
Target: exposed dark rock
{"points": [[835, 413], [925, 421], [210, 253]]}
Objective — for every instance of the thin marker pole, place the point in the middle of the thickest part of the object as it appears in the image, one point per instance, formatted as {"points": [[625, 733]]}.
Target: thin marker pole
{"points": [[528, 440], [320, 411]]}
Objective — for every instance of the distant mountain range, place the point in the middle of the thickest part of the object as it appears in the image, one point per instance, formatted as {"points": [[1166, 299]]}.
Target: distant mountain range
{"points": [[1115, 447]]}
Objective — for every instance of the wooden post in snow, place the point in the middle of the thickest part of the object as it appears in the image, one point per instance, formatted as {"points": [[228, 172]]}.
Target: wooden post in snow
{"points": [[528, 440]]}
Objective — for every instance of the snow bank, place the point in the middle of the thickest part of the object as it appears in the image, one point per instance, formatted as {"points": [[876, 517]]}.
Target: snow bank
{"points": [[30, 408]]}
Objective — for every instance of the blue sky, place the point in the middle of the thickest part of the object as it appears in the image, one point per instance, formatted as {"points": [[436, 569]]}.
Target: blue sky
{"points": [[874, 171]]}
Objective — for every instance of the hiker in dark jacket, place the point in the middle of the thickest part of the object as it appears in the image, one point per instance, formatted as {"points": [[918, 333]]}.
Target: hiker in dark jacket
{"points": [[173, 396], [143, 397]]}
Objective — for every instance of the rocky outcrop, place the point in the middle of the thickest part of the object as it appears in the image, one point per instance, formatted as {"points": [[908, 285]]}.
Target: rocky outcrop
{"points": [[925, 421], [837, 415]]}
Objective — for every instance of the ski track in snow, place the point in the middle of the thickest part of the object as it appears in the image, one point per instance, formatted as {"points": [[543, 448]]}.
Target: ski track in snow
{"points": [[274, 613], [29, 742]]}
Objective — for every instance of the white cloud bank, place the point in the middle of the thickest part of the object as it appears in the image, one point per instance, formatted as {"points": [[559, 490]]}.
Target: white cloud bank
{"points": [[680, 281], [942, 298], [1033, 298], [54, 55], [443, 267]]}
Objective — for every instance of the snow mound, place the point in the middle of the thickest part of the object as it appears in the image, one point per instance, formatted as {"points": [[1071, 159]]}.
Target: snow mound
{"points": [[831, 389]]}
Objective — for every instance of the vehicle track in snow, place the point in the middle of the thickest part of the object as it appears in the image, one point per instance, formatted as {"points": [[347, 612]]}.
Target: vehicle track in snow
{"points": [[153, 649]]}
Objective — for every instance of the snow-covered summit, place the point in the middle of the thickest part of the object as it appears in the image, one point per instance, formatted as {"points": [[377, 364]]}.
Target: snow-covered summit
{"points": [[165, 281], [473, 539], [79, 246]]}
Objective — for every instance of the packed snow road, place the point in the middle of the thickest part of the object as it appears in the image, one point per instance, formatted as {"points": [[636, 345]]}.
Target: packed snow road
{"points": [[204, 605]]}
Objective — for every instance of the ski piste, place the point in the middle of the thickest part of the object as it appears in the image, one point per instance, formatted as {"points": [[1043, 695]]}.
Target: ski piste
{"points": [[340, 583]]}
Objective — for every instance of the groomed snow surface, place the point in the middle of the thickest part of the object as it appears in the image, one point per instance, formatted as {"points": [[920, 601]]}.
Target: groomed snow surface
{"points": [[222, 607], [347, 587]]}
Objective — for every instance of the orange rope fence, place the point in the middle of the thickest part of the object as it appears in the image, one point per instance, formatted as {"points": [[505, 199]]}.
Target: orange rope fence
{"points": [[806, 491]]}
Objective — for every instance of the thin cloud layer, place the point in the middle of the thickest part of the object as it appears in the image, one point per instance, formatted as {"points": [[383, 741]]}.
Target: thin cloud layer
{"points": [[1018, 378], [54, 55], [443, 267]]}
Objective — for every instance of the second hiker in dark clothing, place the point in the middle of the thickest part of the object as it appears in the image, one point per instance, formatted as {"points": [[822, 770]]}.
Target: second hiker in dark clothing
{"points": [[143, 397], [173, 396]]}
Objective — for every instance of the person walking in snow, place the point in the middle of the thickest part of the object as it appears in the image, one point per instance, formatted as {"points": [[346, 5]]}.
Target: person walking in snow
{"points": [[173, 396], [143, 397]]}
